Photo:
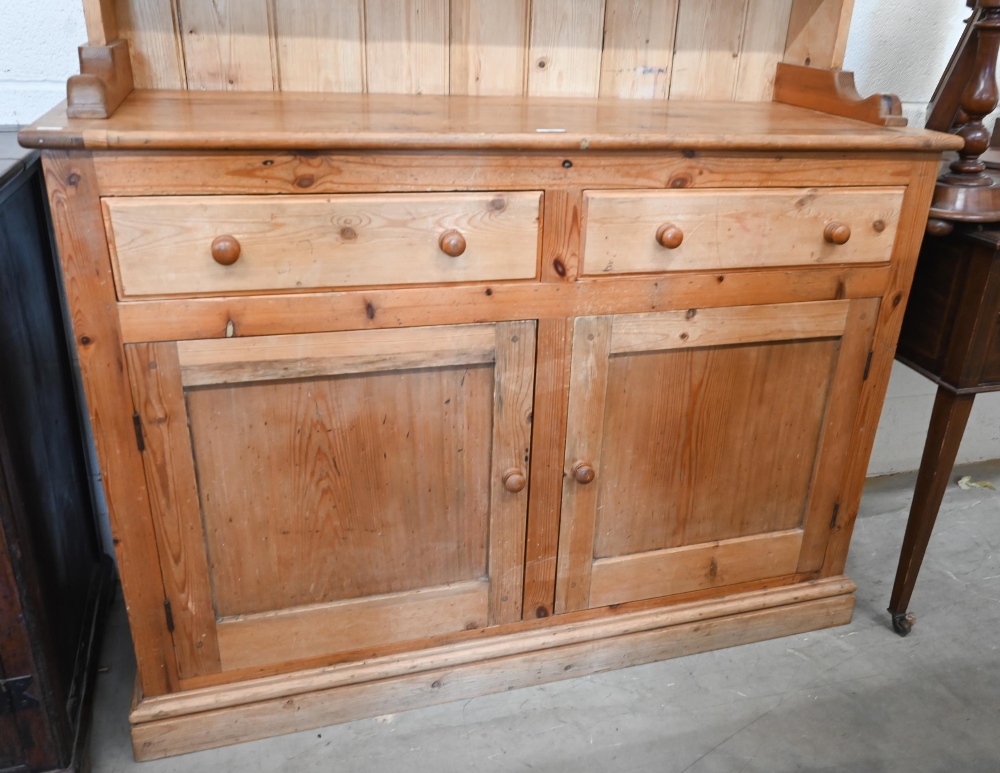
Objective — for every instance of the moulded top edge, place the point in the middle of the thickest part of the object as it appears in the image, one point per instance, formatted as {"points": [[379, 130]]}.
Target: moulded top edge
{"points": [[265, 120]]}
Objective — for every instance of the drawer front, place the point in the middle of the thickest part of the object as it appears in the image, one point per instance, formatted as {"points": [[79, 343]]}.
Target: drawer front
{"points": [[196, 245], [644, 231]]}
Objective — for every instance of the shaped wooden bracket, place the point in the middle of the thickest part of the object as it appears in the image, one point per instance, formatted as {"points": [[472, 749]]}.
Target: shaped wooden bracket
{"points": [[834, 92], [104, 81]]}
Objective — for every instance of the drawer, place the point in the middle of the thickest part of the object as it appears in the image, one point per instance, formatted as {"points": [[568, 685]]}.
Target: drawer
{"points": [[195, 245], [688, 230]]}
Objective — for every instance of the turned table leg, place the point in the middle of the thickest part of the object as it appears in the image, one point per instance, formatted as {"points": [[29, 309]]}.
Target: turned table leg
{"points": [[948, 420]]}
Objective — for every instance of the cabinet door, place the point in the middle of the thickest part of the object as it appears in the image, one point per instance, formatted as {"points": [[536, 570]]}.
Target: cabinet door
{"points": [[706, 447], [322, 493]]}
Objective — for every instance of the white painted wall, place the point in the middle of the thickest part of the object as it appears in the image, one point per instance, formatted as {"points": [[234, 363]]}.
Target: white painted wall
{"points": [[898, 46], [38, 40]]}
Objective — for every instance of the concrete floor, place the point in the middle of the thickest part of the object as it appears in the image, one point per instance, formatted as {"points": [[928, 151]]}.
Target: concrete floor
{"points": [[855, 698]]}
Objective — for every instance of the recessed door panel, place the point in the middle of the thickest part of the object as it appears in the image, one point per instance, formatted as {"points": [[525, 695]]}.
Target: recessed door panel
{"points": [[326, 492], [705, 447], [719, 448]]}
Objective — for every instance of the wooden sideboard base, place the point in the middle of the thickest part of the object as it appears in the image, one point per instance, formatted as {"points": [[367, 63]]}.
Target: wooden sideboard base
{"points": [[435, 474], [220, 716]]}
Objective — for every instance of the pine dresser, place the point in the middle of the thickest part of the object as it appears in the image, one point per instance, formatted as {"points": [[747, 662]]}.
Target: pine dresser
{"points": [[439, 348]]}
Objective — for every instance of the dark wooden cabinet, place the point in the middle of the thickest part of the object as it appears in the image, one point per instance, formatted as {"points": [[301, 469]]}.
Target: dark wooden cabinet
{"points": [[54, 578], [950, 334], [951, 329]]}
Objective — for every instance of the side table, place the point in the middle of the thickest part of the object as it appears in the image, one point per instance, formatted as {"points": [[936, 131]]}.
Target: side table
{"points": [[951, 334]]}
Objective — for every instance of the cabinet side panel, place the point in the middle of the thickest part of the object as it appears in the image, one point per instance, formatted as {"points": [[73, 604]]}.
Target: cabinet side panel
{"points": [[912, 224], [86, 265], [936, 301], [845, 394]]}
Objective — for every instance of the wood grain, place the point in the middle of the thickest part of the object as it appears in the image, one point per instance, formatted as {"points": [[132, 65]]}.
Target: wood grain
{"points": [[379, 308], [676, 570], [275, 637], [817, 33], [132, 173], [764, 36], [227, 45], [621, 47], [833, 92], [406, 46], [514, 386], [86, 272], [845, 394], [162, 244], [319, 490], [352, 480], [707, 49], [565, 52], [177, 120], [263, 358], [104, 82], [890, 318], [488, 47], [102, 24], [587, 390], [581, 627], [526, 625], [152, 740], [638, 50], [709, 444], [562, 242], [173, 494], [729, 229], [150, 27], [552, 376], [319, 45], [665, 330]]}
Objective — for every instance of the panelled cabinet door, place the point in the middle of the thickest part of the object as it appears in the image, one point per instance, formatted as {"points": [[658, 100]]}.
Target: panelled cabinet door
{"points": [[706, 447], [321, 493]]}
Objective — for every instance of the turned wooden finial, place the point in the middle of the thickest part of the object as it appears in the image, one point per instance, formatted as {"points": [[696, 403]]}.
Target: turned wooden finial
{"points": [[979, 99], [966, 193]]}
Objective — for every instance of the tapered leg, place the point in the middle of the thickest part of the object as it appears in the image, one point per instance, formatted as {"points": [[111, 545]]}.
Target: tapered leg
{"points": [[948, 420]]}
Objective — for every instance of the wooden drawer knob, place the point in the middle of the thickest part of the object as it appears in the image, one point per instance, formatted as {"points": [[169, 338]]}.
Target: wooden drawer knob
{"points": [[452, 243], [514, 480], [837, 233], [225, 250], [583, 473], [670, 236]]}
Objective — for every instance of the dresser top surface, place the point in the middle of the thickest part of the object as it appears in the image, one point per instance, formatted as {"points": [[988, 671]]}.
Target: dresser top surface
{"points": [[155, 120]]}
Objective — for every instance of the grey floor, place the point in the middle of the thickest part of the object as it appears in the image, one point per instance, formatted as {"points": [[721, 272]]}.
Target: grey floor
{"points": [[855, 698]]}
